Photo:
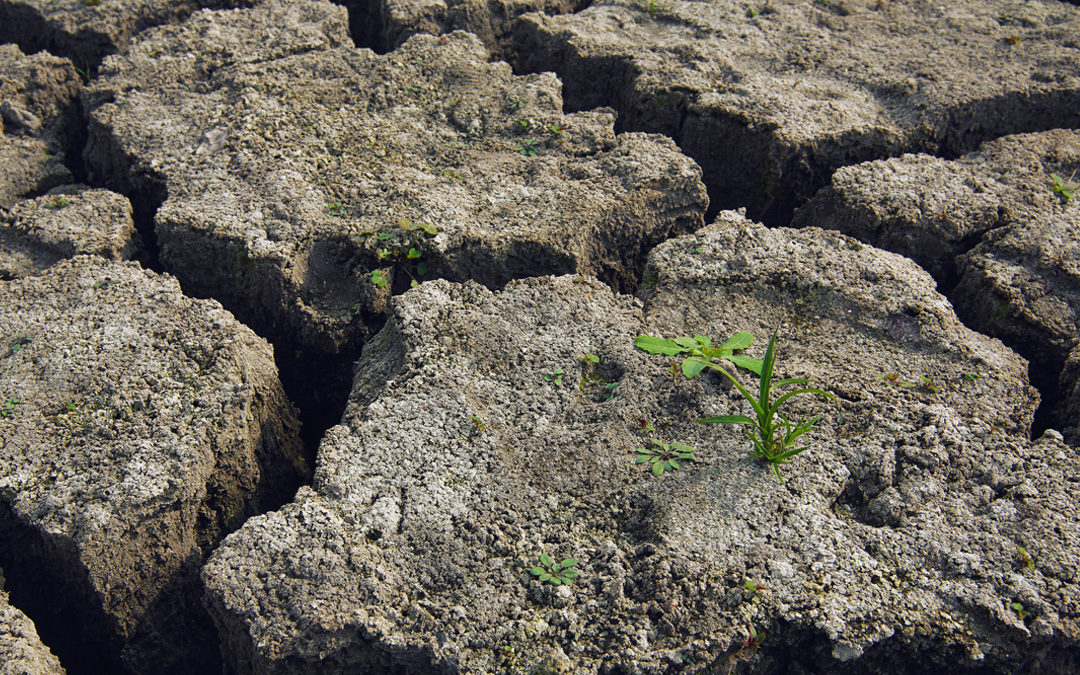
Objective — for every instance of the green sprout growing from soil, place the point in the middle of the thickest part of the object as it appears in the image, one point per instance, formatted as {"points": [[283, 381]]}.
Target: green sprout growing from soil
{"points": [[8, 407], [773, 434], [556, 574], [664, 456], [1062, 188]]}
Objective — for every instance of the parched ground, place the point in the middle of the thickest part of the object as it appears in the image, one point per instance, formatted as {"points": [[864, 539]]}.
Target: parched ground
{"points": [[317, 335]]}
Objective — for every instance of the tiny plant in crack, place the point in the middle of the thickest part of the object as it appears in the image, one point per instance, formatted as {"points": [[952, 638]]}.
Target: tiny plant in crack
{"points": [[664, 456], [556, 574], [555, 377], [774, 436], [399, 248]]}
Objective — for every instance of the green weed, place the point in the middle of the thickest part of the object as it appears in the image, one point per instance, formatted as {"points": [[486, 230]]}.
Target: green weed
{"points": [[555, 377], [8, 407], [701, 351], [773, 440], [1064, 189], [554, 573], [664, 456], [18, 343]]}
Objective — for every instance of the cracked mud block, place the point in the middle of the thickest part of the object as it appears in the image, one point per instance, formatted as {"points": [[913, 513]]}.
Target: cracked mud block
{"points": [[479, 436], [1001, 224], [69, 221], [137, 426], [87, 30], [304, 190], [770, 98], [21, 650], [933, 210], [386, 24], [38, 122]]}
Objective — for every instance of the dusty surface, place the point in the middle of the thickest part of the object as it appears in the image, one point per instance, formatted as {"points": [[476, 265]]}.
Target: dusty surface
{"points": [[989, 224], [293, 182], [70, 220], [21, 651], [386, 24], [459, 461], [88, 30], [38, 120], [771, 103], [138, 426]]}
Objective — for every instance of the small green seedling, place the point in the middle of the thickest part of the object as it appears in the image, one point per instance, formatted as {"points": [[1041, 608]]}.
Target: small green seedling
{"points": [[70, 407], [527, 147], [592, 377], [105, 283], [83, 72], [1025, 557], [1063, 188], [58, 203], [773, 441], [753, 588], [556, 130], [18, 343], [478, 424], [378, 278], [555, 377], [971, 377], [653, 7], [556, 574], [1020, 611], [701, 352], [664, 456], [335, 209], [514, 105], [8, 407]]}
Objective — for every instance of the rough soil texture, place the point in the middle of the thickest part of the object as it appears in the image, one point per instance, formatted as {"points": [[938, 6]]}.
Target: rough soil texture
{"points": [[87, 30], [293, 180], [138, 427], [460, 460], [70, 220], [21, 651], [38, 121], [386, 24], [771, 104], [988, 223]]}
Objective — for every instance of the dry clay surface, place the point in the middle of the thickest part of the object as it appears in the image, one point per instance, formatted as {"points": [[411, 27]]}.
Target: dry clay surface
{"points": [[70, 220], [37, 118], [460, 460], [138, 427], [21, 651], [87, 30], [303, 188], [988, 223], [770, 98]]}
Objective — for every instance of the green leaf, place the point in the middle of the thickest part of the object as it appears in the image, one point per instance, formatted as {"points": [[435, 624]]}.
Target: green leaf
{"points": [[658, 468], [412, 254], [431, 230], [385, 235], [790, 380], [692, 366], [642, 459], [655, 345], [571, 574], [751, 364], [767, 371], [673, 463], [727, 419], [548, 578], [703, 340], [569, 562], [538, 571], [378, 279], [421, 269], [688, 343], [738, 341], [546, 560], [554, 580]]}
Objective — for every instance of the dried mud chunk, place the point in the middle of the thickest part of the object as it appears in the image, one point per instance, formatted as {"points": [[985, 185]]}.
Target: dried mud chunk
{"points": [[69, 221], [138, 427], [771, 99], [303, 191], [472, 445]]}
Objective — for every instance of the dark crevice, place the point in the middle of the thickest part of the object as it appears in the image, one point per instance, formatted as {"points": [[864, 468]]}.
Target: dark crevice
{"points": [[367, 24]]}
